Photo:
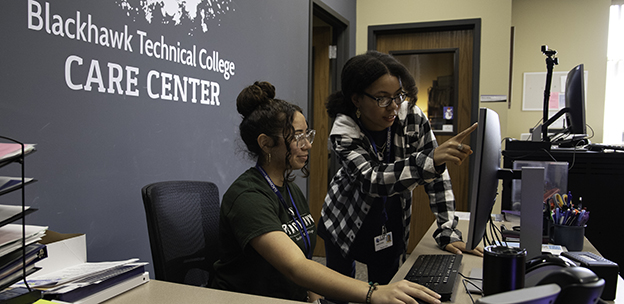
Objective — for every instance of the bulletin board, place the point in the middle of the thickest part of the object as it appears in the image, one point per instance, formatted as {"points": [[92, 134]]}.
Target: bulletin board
{"points": [[533, 93]]}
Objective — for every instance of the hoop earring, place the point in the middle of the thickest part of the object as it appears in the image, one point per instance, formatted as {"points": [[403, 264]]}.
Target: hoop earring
{"points": [[358, 113]]}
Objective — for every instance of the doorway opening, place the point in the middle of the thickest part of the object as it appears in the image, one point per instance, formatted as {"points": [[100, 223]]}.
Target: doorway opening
{"points": [[463, 37], [329, 49]]}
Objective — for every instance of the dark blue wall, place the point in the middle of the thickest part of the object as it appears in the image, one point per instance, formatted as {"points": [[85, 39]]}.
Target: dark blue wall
{"points": [[96, 150]]}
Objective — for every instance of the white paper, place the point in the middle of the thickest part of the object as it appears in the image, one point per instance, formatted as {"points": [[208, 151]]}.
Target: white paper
{"points": [[74, 273], [11, 236]]}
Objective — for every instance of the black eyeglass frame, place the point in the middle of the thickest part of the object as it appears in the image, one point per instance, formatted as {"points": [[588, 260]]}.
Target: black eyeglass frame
{"points": [[387, 100]]}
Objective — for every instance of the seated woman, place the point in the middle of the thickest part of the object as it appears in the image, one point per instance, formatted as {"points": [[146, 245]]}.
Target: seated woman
{"points": [[267, 233]]}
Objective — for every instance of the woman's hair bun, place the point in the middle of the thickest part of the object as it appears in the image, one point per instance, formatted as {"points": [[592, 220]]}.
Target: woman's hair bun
{"points": [[259, 93]]}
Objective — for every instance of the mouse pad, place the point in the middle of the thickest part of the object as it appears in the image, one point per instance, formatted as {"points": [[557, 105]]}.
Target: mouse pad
{"points": [[475, 284]]}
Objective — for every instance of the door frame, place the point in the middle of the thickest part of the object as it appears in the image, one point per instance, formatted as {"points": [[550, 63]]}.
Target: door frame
{"points": [[339, 38], [440, 26]]}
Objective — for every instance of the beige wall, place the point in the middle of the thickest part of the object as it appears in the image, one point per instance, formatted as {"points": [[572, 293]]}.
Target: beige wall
{"points": [[577, 29], [495, 32]]}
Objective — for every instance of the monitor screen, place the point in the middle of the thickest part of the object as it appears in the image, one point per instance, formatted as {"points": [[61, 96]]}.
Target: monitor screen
{"points": [[575, 101], [484, 182]]}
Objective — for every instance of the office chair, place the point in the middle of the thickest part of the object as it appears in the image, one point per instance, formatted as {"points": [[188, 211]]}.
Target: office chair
{"points": [[183, 226]]}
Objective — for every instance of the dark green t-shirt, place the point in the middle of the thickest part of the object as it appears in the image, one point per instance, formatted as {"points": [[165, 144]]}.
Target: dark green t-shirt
{"points": [[249, 209]]}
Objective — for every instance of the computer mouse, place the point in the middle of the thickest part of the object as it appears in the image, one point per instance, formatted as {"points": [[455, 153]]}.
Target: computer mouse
{"points": [[578, 285], [537, 268], [547, 259]]}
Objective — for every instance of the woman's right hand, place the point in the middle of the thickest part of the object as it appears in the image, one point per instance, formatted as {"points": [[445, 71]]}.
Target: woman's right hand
{"points": [[452, 150], [404, 292]]}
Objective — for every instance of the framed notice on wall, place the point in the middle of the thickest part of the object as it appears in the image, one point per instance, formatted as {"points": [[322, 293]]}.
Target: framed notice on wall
{"points": [[533, 91]]}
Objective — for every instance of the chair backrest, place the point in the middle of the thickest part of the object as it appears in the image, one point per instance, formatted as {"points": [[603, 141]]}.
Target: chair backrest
{"points": [[183, 226]]}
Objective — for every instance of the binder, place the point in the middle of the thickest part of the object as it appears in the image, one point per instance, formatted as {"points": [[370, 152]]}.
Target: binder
{"points": [[11, 264], [34, 253], [17, 276], [113, 291], [104, 282]]}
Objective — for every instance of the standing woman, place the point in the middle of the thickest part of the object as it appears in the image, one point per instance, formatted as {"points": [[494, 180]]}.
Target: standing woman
{"points": [[386, 148], [267, 234]]}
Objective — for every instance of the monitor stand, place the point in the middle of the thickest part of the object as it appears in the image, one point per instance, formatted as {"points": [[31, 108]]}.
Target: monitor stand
{"points": [[532, 198], [531, 218]]}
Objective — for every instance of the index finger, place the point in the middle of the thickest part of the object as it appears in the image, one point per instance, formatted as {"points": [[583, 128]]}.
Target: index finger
{"points": [[461, 136]]}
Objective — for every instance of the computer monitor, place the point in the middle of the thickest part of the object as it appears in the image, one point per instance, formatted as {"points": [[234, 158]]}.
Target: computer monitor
{"points": [[575, 101], [484, 182]]}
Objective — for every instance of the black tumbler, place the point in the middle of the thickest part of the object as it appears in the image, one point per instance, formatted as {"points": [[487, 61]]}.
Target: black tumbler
{"points": [[503, 269]]}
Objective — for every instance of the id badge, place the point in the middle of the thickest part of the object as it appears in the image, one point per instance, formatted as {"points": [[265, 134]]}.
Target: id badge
{"points": [[383, 241]]}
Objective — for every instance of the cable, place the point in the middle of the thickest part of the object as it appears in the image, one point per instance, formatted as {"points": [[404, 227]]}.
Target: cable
{"points": [[498, 233], [592, 130], [464, 281], [470, 278]]}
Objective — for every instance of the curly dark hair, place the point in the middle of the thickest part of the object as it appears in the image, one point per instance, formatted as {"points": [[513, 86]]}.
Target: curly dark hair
{"points": [[359, 73], [264, 114]]}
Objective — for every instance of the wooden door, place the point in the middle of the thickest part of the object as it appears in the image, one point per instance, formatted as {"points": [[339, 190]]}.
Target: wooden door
{"points": [[319, 155], [423, 39]]}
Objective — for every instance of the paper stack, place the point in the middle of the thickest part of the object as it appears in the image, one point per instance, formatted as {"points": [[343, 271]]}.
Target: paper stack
{"points": [[90, 282], [11, 261], [8, 150]]}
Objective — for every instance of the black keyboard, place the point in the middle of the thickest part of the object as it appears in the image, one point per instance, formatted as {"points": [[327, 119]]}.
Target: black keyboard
{"points": [[437, 272]]}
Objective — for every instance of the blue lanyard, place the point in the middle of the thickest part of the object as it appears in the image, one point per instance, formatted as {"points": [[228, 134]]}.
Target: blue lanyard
{"points": [[301, 225], [388, 143]]}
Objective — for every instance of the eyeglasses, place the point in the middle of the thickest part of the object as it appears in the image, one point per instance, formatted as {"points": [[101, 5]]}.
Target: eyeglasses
{"points": [[302, 137], [385, 101]]}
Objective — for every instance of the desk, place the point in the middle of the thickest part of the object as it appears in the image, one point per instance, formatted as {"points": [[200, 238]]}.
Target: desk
{"points": [[156, 292], [428, 246], [597, 178]]}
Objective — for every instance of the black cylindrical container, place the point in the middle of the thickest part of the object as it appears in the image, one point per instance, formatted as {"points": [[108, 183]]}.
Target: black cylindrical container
{"points": [[503, 269]]}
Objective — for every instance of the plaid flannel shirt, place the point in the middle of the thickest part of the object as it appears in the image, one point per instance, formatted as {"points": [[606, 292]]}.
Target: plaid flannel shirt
{"points": [[363, 178]]}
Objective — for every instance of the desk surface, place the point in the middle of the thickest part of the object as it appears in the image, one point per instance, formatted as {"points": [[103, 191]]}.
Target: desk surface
{"points": [[164, 292], [156, 292], [428, 246]]}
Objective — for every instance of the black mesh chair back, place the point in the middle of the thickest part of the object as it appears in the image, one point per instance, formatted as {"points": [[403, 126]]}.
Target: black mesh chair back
{"points": [[183, 226]]}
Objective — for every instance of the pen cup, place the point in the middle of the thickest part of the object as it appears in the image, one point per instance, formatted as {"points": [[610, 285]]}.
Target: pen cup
{"points": [[572, 237], [503, 269]]}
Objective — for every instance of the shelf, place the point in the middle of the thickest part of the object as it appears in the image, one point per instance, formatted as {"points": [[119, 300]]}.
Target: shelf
{"points": [[16, 187], [15, 153], [9, 214], [10, 153]]}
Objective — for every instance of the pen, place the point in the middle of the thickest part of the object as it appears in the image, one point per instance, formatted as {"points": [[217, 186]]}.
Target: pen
{"points": [[584, 219], [580, 218], [572, 218]]}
